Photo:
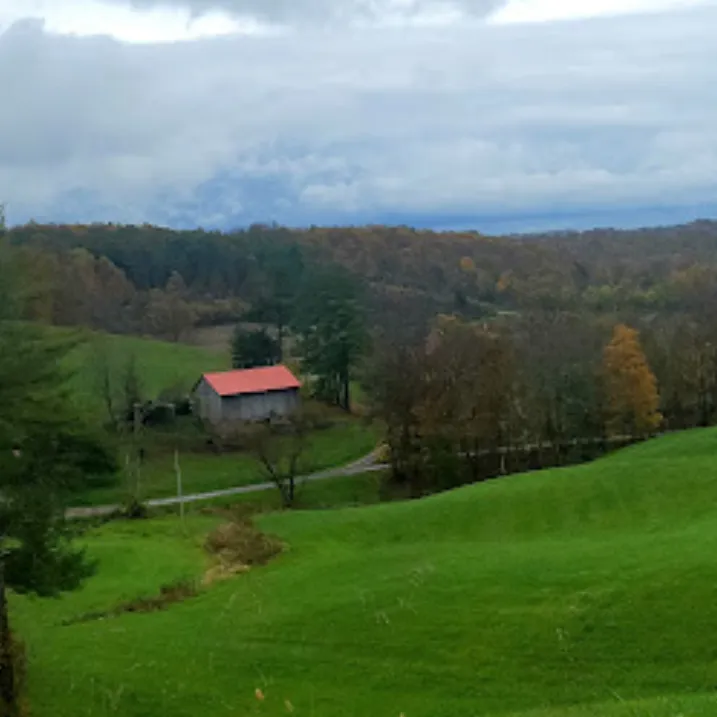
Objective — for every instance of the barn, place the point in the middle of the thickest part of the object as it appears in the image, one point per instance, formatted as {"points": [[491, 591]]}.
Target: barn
{"points": [[252, 394]]}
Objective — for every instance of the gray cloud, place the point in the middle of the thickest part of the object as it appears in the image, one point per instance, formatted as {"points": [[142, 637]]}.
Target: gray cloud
{"points": [[311, 125], [312, 12]]}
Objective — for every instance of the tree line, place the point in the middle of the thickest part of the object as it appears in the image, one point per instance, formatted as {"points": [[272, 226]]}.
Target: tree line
{"points": [[96, 269], [466, 392], [335, 290]]}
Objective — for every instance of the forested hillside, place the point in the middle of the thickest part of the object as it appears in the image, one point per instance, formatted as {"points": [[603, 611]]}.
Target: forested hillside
{"points": [[504, 338], [663, 268]]}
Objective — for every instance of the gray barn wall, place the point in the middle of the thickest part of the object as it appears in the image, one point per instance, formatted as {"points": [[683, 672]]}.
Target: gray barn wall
{"points": [[257, 406], [209, 402], [247, 407]]}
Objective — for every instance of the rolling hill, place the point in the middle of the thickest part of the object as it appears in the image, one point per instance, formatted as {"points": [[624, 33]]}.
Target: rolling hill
{"points": [[565, 593]]}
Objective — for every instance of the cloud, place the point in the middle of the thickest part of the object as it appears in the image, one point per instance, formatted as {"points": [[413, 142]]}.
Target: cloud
{"points": [[330, 12], [522, 11], [157, 23], [355, 124]]}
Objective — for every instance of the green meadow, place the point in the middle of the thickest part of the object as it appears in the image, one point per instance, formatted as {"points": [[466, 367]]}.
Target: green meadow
{"points": [[581, 592]]}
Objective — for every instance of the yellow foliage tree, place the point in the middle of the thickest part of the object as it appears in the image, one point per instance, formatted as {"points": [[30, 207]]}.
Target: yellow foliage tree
{"points": [[468, 266], [632, 399]]}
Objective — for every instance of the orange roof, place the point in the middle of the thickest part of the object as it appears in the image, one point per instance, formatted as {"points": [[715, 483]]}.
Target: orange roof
{"points": [[252, 380]]}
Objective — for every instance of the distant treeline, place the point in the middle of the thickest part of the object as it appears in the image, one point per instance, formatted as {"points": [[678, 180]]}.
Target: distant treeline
{"points": [[602, 270]]}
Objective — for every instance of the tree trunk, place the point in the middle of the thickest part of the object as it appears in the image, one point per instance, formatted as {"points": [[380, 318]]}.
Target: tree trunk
{"points": [[8, 696], [292, 491], [280, 339], [347, 394]]}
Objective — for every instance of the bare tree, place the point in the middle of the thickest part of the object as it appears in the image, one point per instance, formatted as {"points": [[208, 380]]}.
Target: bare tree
{"points": [[279, 448], [121, 390], [104, 381]]}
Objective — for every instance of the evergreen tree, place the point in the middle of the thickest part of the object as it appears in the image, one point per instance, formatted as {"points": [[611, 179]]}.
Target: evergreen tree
{"points": [[332, 333], [45, 451], [254, 348]]}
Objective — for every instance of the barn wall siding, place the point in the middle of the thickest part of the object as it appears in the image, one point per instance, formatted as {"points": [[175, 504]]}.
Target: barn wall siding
{"points": [[258, 406], [247, 407], [209, 402]]}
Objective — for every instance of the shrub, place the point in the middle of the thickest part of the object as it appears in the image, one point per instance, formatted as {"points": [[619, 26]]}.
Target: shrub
{"points": [[240, 543]]}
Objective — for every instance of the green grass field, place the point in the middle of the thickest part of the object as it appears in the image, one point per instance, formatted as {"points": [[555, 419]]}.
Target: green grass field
{"points": [[338, 445], [583, 592], [161, 366]]}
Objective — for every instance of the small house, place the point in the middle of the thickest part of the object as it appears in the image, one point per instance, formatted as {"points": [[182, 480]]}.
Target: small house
{"points": [[253, 394]]}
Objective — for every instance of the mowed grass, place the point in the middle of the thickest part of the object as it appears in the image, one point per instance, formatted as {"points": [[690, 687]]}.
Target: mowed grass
{"points": [[340, 444], [588, 591]]}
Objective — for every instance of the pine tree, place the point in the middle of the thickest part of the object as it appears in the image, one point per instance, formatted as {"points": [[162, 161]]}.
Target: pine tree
{"points": [[332, 333], [45, 451], [632, 399], [254, 348]]}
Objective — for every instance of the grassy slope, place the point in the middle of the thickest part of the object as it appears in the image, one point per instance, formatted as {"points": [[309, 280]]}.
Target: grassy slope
{"points": [[161, 365], [566, 593]]}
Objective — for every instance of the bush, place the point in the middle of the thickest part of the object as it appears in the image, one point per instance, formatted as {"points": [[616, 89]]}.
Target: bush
{"points": [[383, 454], [241, 543], [169, 594], [134, 510], [159, 414]]}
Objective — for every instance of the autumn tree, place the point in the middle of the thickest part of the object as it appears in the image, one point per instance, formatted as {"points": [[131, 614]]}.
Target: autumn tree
{"points": [[683, 353], [395, 381], [559, 356], [632, 399], [471, 397], [112, 305], [169, 313], [447, 399]]}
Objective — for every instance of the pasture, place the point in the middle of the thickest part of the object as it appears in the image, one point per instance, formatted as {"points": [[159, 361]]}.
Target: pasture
{"points": [[576, 592]]}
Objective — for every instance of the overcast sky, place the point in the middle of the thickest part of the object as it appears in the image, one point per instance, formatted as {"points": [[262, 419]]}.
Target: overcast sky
{"points": [[498, 115]]}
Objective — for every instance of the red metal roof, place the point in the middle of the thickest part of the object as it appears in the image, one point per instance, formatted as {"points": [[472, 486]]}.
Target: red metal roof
{"points": [[252, 380]]}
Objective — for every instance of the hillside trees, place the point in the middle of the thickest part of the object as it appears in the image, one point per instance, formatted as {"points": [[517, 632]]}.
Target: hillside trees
{"points": [[663, 281], [254, 347], [447, 399], [329, 323], [79, 289], [45, 449], [282, 271], [661, 269], [632, 399], [560, 356], [473, 399], [169, 313], [683, 354], [279, 448], [396, 380], [471, 404]]}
